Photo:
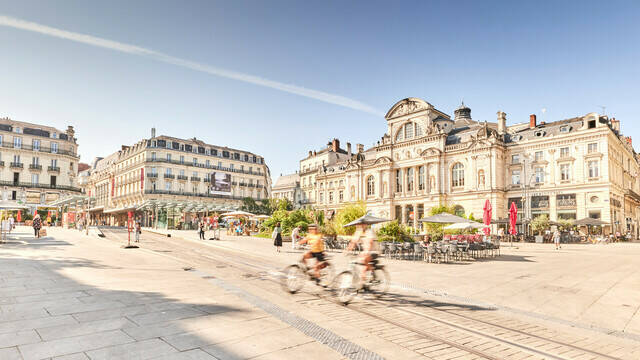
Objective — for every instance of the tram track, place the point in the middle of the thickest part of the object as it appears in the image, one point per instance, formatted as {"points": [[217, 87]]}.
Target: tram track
{"points": [[484, 339]]}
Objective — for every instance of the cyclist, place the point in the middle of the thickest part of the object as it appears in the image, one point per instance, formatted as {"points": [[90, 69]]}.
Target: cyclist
{"points": [[367, 238], [316, 244]]}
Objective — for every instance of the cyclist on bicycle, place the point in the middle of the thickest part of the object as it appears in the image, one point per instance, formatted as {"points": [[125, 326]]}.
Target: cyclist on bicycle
{"points": [[367, 238], [316, 244]]}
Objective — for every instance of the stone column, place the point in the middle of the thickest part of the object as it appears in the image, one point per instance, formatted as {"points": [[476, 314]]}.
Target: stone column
{"points": [[403, 213], [415, 215], [552, 166], [553, 216], [380, 184], [404, 181], [415, 180]]}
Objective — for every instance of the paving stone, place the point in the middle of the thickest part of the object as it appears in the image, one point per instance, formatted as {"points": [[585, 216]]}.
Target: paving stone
{"points": [[167, 315], [195, 354], [140, 350], [63, 331], [73, 345], [76, 356], [17, 325], [81, 307], [18, 338], [10, 353]]}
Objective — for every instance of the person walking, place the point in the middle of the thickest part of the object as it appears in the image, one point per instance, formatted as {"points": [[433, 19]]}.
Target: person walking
{"points": [[138, 230], [201, 227], [4, 227], [295, 234], [556, 239], [37, 224], [11, 222], [277, 237]]}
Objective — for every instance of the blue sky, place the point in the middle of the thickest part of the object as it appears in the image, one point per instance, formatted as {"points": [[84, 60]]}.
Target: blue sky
{"points": [[570, 57]]}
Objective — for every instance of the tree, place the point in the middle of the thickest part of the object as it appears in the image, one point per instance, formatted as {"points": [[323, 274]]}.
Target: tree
{"points": [[346, 215], [436, 230], [540, 223]]}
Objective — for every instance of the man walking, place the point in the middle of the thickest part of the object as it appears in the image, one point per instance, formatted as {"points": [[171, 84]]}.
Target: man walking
{"points": [[556, 239], [138, 230], [201, 230]]}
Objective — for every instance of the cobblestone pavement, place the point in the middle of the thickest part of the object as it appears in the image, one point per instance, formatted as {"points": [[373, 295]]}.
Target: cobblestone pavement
{"points": [[80, 297]]}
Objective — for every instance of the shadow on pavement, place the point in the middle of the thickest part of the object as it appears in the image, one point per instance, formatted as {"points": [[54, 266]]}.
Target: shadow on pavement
{"points": [[71, 317], [394, 299]]}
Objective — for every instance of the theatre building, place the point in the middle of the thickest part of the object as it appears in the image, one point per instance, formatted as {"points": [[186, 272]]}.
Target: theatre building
{"points": [[567, 169], [167, 181]]}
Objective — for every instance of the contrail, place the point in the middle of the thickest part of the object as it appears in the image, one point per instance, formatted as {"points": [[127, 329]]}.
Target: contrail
{"points": [[158, 56]]}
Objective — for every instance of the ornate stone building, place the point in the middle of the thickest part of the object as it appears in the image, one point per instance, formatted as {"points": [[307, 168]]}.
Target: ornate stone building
{"points": [[167, 180], [567, 169], [38, 164], [288, 187]]}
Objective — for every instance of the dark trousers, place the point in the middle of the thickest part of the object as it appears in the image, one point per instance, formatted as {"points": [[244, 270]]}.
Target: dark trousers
{"points": [[36, 232], [202, 234]]}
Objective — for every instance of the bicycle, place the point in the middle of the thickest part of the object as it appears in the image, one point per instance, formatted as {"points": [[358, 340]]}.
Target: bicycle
{"points": [[295, 275], [348, 283]]}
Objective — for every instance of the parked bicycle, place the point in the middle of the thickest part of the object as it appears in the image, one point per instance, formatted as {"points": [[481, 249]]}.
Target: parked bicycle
{"points": [[348, 283]]}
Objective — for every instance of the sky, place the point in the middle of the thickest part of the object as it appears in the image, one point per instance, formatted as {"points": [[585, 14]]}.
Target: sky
{"points": [[280, 78]]}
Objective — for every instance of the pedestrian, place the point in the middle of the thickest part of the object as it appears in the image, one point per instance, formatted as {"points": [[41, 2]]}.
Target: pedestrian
{"points": [[37, 224], [11, 223], [4, 228], [201, 226], [556, 239], [138, 229], [295, 234], [277, 237]]}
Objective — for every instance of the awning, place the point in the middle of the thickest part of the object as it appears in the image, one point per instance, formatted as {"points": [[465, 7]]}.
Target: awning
{"points": [[73, 200], [119, 210]]}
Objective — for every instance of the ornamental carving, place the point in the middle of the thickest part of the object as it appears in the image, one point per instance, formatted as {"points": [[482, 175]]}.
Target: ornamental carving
{"points": [[408, 108]]}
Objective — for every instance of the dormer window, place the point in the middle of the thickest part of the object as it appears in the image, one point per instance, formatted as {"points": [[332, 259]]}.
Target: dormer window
{"points": [[516, 137], [539, 133], [564, 129]]}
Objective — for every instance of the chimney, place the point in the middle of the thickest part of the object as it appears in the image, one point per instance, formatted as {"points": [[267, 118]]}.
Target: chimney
{"points": [[360, 148], [502, 122], [335, 145], [70, 132], [349, 149], [153, 132], [314, 153], [310, 153], [615, 125], [532, 121]]}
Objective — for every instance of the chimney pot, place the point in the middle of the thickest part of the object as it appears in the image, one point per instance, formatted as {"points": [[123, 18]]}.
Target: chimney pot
{"points": [[349, 149], [532, 121], [502, 122], [153, 132], [335, 145]]}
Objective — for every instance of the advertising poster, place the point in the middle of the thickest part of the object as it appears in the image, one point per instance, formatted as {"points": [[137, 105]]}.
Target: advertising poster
{"points": [[220, 184]]}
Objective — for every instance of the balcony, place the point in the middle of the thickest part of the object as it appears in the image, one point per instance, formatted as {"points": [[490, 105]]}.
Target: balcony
{"points": [[53, 169], [16, 165], [39, 185], [9, 145], [566, 202], [36, 167], [169, 176], [195, 178], [204, 166], [185, 193], [152, 175], [183, 177]]}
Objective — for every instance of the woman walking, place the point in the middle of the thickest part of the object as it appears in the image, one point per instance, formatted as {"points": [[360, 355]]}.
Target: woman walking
{"points": [[138, 230], [37, 224], [277, 237], [556, 239]]}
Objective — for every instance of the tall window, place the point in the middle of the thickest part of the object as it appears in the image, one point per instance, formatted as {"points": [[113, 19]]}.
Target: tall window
{"points": [[181, 159], [539, 156], [565, 172], [54, 148], [421, 178], [153, 155], [35, 178], [409, 131], [480, 178], [54, 163], [564, 152], [17, 142], [341, 196], [398, 180], [539, 171], [321, 197], [410, 173], [330, 197], [515, 159], [457, 175], [515, 177], [593, 169], [371, 186], [168, 157], [36, 144], [593, 147], [352, 193]]}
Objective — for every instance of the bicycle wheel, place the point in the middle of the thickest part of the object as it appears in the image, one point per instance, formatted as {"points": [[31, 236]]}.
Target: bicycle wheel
{"points": [[293, 279], [380, 280], [326, 276], [345, 287]]}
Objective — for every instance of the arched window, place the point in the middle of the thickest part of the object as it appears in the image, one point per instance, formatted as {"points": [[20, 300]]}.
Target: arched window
{"points": [[371, 186], [409, 131], [457, 175], [352, 195], [480, 178]]}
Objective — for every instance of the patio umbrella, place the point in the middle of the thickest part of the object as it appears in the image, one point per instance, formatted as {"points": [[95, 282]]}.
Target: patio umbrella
{"points": [[486, 216], [19, 216], [513, 217], [590, 222], [238, 213], [367, 220], [445, 218]]}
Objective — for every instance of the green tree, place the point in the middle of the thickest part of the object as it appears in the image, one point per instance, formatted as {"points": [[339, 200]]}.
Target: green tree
{"points": [[436, 230], [347, 214], [540, 224]]}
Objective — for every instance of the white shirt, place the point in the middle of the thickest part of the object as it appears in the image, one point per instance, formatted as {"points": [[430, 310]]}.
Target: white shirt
{"points": [[6, 225]]}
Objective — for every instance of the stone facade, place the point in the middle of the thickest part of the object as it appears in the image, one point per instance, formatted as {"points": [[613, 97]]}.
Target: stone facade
{"points": [[38, 163], [175, 175], [568, 169], [288, 187]]}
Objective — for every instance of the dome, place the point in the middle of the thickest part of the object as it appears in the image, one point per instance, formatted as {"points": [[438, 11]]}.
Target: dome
{"points": [[462, 115]]}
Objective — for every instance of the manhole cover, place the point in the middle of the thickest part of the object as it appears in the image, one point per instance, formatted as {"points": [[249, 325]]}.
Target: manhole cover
{"points": [[187, 268]]}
